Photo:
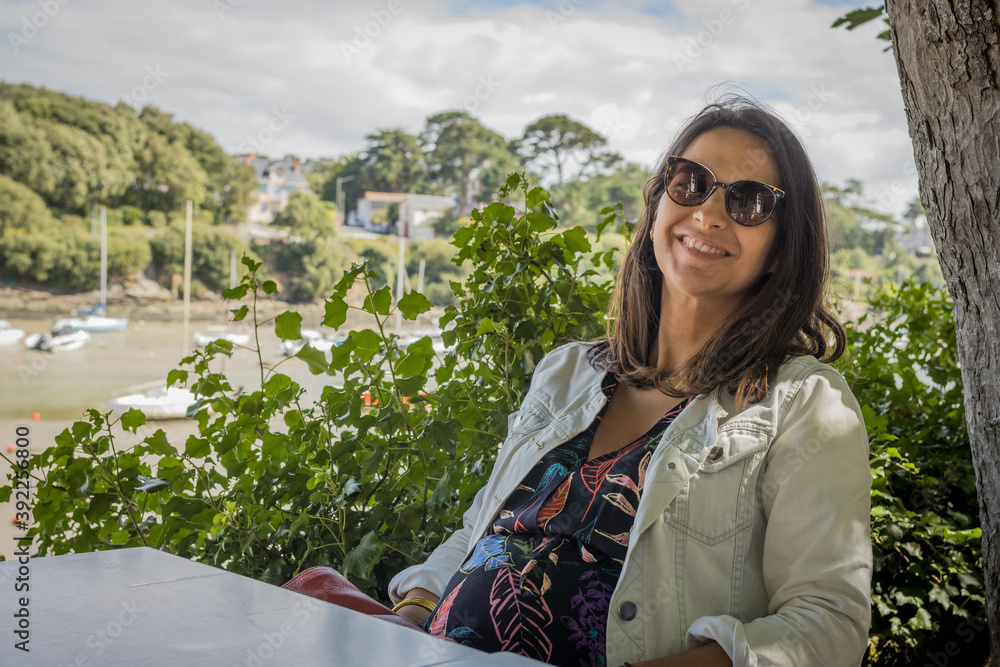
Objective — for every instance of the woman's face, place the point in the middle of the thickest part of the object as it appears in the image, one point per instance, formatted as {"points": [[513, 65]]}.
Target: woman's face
{"points": [[704, 255]]}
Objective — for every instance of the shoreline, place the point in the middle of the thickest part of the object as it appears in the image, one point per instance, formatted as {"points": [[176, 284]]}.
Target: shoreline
{"points": [[138, 301]]}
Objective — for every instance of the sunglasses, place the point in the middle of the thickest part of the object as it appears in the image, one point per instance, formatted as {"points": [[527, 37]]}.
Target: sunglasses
{"points": [[749, 203]]}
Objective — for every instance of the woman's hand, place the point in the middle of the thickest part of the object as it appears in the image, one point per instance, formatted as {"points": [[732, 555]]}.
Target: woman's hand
{"points": [[414, 612]]}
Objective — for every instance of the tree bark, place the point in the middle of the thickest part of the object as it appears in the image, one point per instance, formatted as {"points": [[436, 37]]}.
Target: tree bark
{"points": [[948, 56]]}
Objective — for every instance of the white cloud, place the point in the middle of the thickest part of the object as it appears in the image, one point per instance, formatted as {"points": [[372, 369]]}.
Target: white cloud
{"points": [[633, 70]]}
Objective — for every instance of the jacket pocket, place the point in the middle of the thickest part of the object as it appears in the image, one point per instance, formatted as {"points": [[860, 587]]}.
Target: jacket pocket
{"points": [[718, 502]]}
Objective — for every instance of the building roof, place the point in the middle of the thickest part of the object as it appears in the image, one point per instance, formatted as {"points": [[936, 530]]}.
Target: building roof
{"points": [[386, 197], [415, 200], [290, 170]]}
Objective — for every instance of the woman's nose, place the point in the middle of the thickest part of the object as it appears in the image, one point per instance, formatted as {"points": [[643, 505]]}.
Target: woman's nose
{"points": [[712, 212]]}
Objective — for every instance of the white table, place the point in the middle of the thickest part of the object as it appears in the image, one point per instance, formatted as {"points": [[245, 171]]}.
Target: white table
{"points": [[148, 608]]}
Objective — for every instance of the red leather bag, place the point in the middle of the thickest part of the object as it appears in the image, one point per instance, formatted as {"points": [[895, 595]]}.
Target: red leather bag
{"points": [[325, 583]]}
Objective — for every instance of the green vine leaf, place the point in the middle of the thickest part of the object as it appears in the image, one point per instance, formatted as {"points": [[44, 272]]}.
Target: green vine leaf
{"points": [[133, 419], [288, 326], [413, 304]]}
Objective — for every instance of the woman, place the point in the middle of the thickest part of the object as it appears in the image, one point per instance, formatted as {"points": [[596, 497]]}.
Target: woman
{"points": [[693, 490]]}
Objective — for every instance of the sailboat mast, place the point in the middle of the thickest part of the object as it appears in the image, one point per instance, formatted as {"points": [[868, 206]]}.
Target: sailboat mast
{"points": [[104, 258], [186, 329]]}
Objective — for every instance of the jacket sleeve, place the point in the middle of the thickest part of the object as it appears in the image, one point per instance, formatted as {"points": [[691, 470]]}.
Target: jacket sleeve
{"points": [[435, 573], [817, 560]]}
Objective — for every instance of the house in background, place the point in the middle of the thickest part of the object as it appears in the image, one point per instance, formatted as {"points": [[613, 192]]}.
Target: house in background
{"points": [[417, 213], [276, 179], [916, 238]]}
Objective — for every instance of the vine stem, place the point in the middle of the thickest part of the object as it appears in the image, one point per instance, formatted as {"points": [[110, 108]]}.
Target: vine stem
{"points": [[115, 480], [256, 330]]}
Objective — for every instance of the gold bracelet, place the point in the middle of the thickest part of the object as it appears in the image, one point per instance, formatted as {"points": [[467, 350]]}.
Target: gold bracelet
{"points": [[417, 600]]}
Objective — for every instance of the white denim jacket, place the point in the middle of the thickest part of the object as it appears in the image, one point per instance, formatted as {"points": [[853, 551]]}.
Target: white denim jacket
{"points": [[753, 526]]}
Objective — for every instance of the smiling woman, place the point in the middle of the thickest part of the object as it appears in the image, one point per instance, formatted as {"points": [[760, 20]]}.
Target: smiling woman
{"points": [[694, 488]]}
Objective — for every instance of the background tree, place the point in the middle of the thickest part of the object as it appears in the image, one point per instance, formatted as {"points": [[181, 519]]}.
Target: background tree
{"points": [[554, 143], [167, 175], [853, 224], [580, 201], [465, 158], [323, 174], [305, 216], [946, 57], [394, 160]]}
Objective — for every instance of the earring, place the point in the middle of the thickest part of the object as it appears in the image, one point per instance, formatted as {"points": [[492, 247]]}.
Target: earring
{"points": [[651, 229]]}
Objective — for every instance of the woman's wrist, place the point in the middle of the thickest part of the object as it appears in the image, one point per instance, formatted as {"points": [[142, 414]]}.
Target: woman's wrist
{"points": [[417, 605]]}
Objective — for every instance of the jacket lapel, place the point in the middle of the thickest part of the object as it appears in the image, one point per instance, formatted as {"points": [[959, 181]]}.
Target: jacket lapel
{"points": [[678, 456]]}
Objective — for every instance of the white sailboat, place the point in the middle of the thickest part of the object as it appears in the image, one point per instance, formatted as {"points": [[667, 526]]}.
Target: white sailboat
{"points": [[212, 333], [157, 403], [8, 334], [95, 319], [313, 338]]}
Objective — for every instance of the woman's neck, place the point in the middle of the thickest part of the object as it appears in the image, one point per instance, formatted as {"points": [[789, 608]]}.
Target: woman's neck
{"points": [[686, 324]]}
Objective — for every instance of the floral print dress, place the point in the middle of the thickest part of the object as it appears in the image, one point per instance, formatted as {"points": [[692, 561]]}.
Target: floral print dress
{"points": [[541, 583]]}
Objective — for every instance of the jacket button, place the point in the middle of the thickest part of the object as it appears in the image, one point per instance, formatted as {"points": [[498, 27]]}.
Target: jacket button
{"points": [[671, 465], [715, 453], [627, 611]]}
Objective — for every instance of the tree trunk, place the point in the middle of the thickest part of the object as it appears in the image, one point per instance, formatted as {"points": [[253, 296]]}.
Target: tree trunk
{"points": [[948, 56]]}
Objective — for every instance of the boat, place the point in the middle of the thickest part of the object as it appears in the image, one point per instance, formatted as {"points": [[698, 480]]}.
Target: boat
{"points": [[58, 340], [8, 334], [94, 318], [203, 338], [92, 323], [158, 403], [313, 338]]}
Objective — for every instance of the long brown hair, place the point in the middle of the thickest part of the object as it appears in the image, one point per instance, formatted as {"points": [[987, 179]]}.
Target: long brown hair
{"points": [[784, 314]]}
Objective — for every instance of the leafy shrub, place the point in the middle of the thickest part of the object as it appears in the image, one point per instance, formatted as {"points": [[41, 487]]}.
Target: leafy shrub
{"points": [[128, 253], [156, 219], [72, 258], [270, 486], [211, 251], [131, 215], [440, 269], [312, 266], [927, 585], [67, 259], [21, 210]]}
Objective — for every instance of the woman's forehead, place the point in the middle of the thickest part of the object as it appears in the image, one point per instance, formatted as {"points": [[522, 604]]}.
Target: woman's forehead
{"points": [[734, 155]]}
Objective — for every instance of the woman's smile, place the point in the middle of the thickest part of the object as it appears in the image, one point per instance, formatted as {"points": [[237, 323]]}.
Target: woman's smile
{"points": [[700, 247]]}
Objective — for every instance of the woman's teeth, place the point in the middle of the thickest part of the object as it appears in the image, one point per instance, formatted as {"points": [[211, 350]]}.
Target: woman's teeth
{"points": [[697, 245]]}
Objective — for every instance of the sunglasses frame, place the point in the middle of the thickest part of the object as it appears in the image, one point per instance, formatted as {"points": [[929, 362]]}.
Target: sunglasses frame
{"points": [[673, 160]]}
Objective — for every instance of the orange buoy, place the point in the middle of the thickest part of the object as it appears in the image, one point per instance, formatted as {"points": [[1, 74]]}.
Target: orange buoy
{"points": [[10, 448], [36, 416]]}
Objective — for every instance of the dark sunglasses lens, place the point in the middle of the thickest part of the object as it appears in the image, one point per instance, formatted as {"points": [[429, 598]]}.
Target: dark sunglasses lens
{"points": [[689, 183], [750, 203]]}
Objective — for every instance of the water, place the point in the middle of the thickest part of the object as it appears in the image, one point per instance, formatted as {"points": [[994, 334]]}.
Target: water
{"points": [[61, 386], [47, 392]]}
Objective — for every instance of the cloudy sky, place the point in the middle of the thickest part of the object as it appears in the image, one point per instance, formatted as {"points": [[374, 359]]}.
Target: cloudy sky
{"points": [[312, 78]]}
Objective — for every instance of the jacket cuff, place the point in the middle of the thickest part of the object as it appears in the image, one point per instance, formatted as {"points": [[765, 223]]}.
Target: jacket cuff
{"points": [[725, 631], [419, 576]]}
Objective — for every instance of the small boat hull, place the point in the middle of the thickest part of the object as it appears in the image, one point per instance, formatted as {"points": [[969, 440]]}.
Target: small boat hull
{"points": [[58, 341], [8, 334], [160, 403], [94, 323]]}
